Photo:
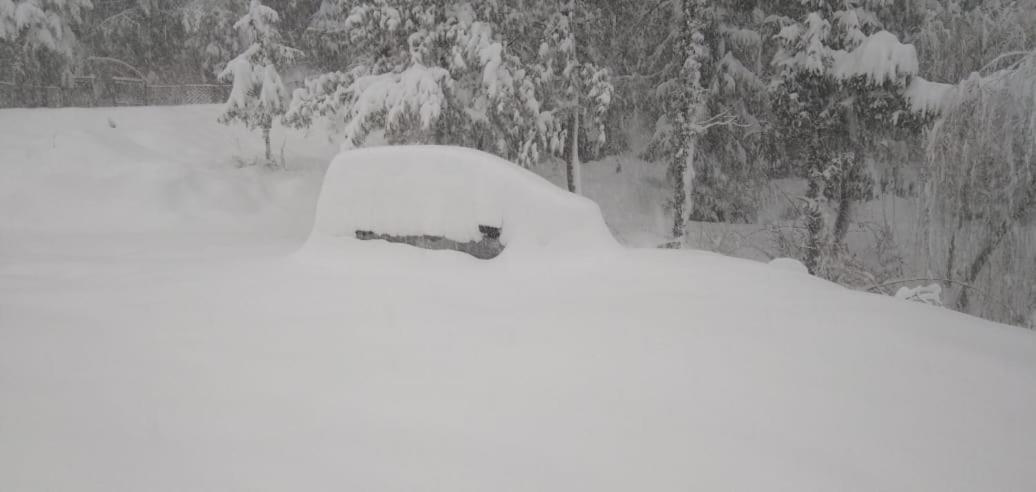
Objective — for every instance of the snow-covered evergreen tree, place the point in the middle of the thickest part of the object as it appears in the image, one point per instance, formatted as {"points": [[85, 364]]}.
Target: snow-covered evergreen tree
{"points": [[687, 107], [959, 37], [258, 94], [146, 35], [210, 36], [442, 72], [581, 91], [841, 84], [710, 97], [40, 38], [710, 102], [408, 58], [729, 173]]}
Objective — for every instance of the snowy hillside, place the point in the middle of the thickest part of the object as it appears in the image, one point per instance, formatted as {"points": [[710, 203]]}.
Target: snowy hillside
{"points": [[159, 330]]}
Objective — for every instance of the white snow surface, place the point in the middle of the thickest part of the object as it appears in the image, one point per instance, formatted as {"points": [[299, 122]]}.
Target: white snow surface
{"points": [[789, 265], [880, 58], [928, 97], [158, 333], [927, 294], [450, 191]]}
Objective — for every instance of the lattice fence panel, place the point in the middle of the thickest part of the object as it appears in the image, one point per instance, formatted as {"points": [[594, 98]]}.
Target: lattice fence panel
{"points": [[129, 92], [118, 91], [168, 95], [7, 95], [83, 93]]}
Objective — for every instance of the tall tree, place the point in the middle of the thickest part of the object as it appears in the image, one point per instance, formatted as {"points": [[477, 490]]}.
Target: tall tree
{"points": [[579, 89], [841, 80], [211, 37], [258, 95], [443, 72], [40, 38], [709, 93], [147, 35], [981, 190], [959, 37], [687, 107]]}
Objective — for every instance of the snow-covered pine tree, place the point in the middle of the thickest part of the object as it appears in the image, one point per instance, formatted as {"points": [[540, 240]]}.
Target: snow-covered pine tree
{"points": [[804, 102], [399, 77], [210, 36], [711, 100], [580, 91], [960, 36], [432, 72], [144, 34], [730, 172], [39, 38], [686, 107], [258, 94], [841, 81], [687, 70]]}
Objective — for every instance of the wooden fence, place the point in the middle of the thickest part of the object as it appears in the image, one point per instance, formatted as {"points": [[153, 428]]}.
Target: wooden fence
{"points": [[115, 91]]}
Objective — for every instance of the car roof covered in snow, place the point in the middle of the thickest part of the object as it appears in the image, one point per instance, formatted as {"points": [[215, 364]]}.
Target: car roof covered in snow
{"points": [[450, 192]]}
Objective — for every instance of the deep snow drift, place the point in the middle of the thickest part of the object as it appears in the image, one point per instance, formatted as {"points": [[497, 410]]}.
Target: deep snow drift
{"points": [[157, 333]]}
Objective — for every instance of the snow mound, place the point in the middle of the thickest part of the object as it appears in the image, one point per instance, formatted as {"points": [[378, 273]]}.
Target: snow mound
{"points": [[789, 264], [925, 294], [450, 192], [881, 57], [927, 97], [135, 169]]}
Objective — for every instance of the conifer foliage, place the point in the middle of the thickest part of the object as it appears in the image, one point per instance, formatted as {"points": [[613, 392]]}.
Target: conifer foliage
{"points": [[841, 81], [686, 107], [425, 72], [258, 95], [40, 38], [445, 72]]}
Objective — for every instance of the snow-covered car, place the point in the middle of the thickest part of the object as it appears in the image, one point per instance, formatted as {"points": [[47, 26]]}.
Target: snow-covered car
{"points": [[438, 197]]}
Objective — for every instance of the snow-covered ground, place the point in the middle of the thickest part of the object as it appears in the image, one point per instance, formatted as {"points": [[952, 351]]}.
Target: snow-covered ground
{"points": [[159, 331]]}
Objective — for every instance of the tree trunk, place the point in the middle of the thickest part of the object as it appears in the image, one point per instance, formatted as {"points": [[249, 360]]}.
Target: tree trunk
{"points": [[682, 199], [814, 218], [814, 237], [687, 188], [575, 178], [842, 221], [575, 183], [266, 140], [679, 200]]}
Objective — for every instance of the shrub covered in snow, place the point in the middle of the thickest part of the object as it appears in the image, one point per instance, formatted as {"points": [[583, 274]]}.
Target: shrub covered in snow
{"points": [[925, 294], [450, 192]]}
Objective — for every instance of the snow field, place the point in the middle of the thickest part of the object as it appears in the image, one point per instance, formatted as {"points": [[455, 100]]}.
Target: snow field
{"points": [[149, 343]]}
